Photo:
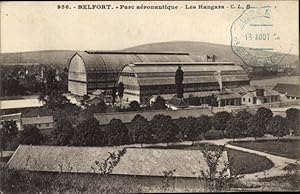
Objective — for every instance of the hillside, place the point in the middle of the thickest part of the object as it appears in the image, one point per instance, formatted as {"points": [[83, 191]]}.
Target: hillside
{"points": [[61, 57], [222, 52]]}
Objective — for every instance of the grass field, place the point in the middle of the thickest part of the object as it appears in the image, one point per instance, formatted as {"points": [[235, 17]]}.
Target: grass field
{"points": [[238, 159], [285, 148]]}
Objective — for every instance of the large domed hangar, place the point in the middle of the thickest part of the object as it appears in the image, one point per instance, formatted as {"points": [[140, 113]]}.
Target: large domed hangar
{"points": [[92, 70], [143, 80]]}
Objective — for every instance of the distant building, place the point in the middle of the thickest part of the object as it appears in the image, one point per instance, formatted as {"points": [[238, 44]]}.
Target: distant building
{"points": [[93, 100], [143, 80], [20, 102], [288, 91], [201, 97], [176, 103], [12, 117], [259, 97], [92, 70], [44, 122], [228, 99]]}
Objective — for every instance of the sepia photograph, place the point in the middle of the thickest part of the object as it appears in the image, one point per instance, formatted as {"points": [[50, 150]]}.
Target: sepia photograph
{"points": [[149, 96]]}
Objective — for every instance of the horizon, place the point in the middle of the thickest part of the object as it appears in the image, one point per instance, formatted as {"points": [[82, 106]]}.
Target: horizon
{"points": [[125, 49]]}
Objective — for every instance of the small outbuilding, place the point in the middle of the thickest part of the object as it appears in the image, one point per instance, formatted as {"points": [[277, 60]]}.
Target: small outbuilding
{"points": [[288, 91]]}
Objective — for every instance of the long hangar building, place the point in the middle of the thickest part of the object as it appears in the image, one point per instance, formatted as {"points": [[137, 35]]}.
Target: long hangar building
{"points": [[149, 73], [91, 70]]}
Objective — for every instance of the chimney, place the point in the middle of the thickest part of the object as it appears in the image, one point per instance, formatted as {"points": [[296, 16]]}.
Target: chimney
{"points": [[220, 80], [260, 92], [213, 59]]}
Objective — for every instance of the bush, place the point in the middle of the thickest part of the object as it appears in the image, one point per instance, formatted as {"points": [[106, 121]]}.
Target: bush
{"points": [[31, 136], [278, 126], [163, 128], [214, 134], [87, 133], [220, 119], [293, 118], [115, 133]]}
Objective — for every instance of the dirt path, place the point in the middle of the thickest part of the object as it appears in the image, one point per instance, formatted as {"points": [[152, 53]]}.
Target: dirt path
{"points": [[278, 161], [276, 170]]}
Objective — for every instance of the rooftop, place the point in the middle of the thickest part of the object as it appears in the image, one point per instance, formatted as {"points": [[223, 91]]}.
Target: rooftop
{"points": [[135, 52], [228, 95], [37, 120], [183, 63], [289, 89], [10, 116], [135, 161], [20, 103], [177, 102]]}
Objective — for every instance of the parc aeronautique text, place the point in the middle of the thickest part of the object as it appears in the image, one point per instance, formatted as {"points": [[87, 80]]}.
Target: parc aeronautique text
{"points": [[149, 7]]}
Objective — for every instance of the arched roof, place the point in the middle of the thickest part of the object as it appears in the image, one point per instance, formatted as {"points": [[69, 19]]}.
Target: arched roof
{"points": [[141, 67], [194, 72], [114, 61]]}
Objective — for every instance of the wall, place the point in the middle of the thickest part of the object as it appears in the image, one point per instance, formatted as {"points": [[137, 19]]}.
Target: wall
{"points": [[26, 102], [131, 85], [77, 88], [42, 125], [248, 100], [97, 183], [77, 77]]}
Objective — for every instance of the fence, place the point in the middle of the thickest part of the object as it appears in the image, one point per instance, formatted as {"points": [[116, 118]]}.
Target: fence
{"points": [[266, 105]]}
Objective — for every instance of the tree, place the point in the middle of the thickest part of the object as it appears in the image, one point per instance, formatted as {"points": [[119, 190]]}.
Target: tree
{"points": [[134, 106], [116, 133], [254, 126], [194, 128], [31, 135], [204, 124], [100, 107], [51, 92], [62, 133], [278, 126], [139, 130], [184, 125], [264, 115], [293, 119], [244, 117], [216, 179], [164, 129], [220, 119], [121, 89], [159, 103], [178, 82], [257, 125], [193, 100], [8, 131], [291, 175], [87, 133], [234, 128], [55, 99]]}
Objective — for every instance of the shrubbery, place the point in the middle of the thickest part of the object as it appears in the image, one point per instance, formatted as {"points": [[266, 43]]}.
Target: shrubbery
{"points": [[160, 129]]}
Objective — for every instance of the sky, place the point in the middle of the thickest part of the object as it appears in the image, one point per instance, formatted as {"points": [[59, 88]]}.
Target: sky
{"points": [[30, 26]]}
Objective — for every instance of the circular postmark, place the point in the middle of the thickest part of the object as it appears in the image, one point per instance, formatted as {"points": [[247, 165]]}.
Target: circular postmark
{"points": [[254, 38]]}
